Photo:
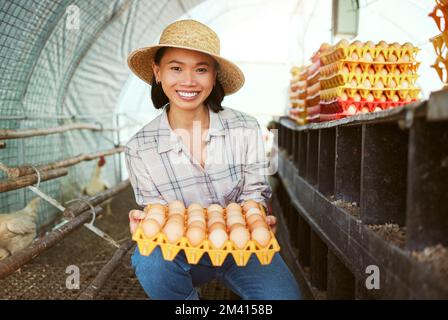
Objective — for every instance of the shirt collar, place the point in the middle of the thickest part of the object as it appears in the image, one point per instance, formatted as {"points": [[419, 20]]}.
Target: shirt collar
{"points": [[169, 140]]}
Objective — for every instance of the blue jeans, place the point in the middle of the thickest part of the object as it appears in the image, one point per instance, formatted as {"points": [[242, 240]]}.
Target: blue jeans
{"points": [[177, 279]]}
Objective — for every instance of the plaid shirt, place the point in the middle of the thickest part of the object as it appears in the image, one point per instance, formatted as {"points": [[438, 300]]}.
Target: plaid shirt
{"points": [[162, 170]]}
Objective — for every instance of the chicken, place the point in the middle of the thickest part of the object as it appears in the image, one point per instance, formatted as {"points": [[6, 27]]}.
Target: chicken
{"points": [[97, 185], [18, 229]]}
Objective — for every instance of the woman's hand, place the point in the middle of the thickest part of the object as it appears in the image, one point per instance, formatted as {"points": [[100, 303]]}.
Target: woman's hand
{"points": [[272, 222], [135, 216]]}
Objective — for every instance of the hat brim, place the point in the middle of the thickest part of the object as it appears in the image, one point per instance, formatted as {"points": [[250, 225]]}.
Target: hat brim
{"points": [[229, 74]]}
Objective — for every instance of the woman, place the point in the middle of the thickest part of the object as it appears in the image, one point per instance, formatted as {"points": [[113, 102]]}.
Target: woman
{"points": [[197, 151]]}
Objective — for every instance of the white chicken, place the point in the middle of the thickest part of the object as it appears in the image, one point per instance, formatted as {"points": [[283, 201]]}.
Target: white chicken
{"points": [[97, 185], [18, 229]]}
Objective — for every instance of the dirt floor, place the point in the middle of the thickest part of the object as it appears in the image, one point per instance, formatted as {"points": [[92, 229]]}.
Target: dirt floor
{"points": [[45, 276], [352, 208], [436, 257]]}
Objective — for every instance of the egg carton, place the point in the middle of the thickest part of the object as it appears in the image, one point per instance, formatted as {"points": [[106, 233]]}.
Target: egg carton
{"points": [[194, 253], [388, 81], [347, 52], [313, 79], [298, 103], [313, 113], [404, 94], [313, 100], [378, 67]]}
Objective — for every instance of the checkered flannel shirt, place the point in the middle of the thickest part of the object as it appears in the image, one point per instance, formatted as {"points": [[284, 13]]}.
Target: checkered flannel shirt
{"points": [[162, 170]]}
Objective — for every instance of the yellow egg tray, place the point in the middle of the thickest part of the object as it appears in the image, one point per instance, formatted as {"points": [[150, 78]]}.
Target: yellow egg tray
{"points": [[343, 52], [194, 253], [341, 79], [391, 67], [333, 93]]}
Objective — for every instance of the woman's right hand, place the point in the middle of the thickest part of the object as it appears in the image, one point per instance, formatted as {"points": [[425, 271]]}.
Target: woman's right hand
{"points": [[135, 216]]}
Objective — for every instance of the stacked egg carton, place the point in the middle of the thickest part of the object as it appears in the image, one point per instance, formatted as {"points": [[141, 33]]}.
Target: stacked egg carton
{"points": [[297, 94], [237, 230], [313, 85], [364, 77]]}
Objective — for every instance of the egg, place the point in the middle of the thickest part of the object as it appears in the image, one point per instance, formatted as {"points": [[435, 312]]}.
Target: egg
{"points": [[343, 43], [408, 98], [370, 44], [377, 109], [367, 84], [395, 98], [176, 205], [365, 110], [383, 44], [215, 208], [357, 43], [404, 84], [397, 72], [383, 98], [383, 72], [160, 218], [249, 204], [233, 206], [344, 96], [408, 45], [213, 220], [235, 219], [198, 224], [195, 218], [358, 70], [195, 206], [405, 58], [233, 213], [218, 237], [175, 211], [258, 224], [253, 218], [380, 58], [150, 227], [155, 206], [395, 45], [176, 217], [156, 210], [353, 83], [370, 98], [195, 213], [240, 236], [351, 109], [216, 225], [261, 235], [354, 56], [345, 70], [379, 85], [173, 231], [392, 58], [392, 84], [195, 235], [252, 212], [367, 57], [357, 97]]}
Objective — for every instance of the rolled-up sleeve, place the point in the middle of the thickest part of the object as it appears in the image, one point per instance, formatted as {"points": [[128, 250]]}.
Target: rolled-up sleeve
{"points": [[256, 186], [144, 188]]}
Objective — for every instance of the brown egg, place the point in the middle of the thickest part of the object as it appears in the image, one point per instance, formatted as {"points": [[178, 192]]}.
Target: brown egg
{"points": [[215, 208], [156, 210], [254, 218], [150, 227], [235, 219], [173, 231], [213, 220], [235, 226], [216, 225], [233, 206], [249, 204], [261, 235], [392, 58], [357, 97], [194, 206], [195, 218], [383, 44], [380, 58], [156, 206], [176, 217], [370, 44], [159, 217], [357, 43], [258, 224], [365, 110], [214, 214], [351, 109], [176, 205], [198, 224], [218, 238], [240, 236], [195, 235], [252, 212], [234, 213], [196, 213], [370, 98]]}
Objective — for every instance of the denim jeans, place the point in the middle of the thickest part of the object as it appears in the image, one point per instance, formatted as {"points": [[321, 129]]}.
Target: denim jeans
{"points": [[177, 279]]}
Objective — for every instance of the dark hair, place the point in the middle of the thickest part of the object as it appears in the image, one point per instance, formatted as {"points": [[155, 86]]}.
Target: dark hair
{"points": [[159, 98]]}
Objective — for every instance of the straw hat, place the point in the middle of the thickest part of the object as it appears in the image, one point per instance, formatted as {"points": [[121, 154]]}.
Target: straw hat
{"points": [[192, 35]]}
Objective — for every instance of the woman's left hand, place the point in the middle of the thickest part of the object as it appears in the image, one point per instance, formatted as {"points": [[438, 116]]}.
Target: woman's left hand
{"points": [[272, 222]]}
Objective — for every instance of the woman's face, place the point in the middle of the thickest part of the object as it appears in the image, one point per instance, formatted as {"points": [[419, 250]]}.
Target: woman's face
{"points": [[187, 77]]}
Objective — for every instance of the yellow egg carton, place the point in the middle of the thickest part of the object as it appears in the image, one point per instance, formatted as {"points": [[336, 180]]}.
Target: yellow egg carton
{"points": [[401, 81], [217, 256], [341, 52], [391, 67], [328, 95]]}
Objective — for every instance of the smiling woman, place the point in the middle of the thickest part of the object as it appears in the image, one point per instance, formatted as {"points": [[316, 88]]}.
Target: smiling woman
{"points": [[198, 151]]}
